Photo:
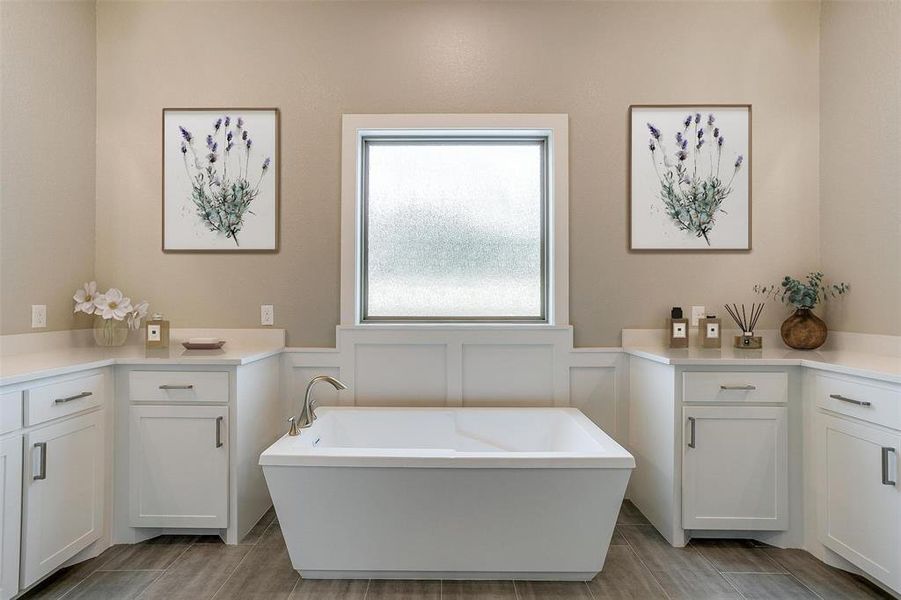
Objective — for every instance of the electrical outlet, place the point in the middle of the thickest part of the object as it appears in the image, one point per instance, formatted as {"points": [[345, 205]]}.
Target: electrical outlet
{"points": [[38, 315], [697, 313], [267, 314]]}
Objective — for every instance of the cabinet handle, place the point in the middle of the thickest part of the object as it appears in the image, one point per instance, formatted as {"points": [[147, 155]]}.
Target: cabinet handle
{"points": [[885, 469], [177, 387], [744, 388], [71, 398], [42, 474], [218, 432], [850, 400], [691, 432]]}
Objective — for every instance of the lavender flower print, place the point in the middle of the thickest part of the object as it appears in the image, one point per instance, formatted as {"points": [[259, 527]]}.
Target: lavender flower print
{"points": [[221, 198], [693, 193]]}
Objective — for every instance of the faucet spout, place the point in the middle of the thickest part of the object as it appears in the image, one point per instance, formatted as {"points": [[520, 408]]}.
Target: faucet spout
{"points": [[308, 412]]}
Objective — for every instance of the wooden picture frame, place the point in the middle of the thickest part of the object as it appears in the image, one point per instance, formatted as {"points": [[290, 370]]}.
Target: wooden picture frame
{"points": [[208, 210]]}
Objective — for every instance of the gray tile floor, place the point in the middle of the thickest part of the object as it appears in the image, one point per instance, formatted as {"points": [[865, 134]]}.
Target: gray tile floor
{"points": [[640, 566]]}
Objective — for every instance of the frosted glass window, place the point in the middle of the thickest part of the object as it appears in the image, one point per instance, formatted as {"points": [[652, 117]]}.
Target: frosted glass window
{"points": [[454, 229]]}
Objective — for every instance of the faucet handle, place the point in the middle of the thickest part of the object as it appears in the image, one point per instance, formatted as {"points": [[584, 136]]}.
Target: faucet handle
{"points": [[292, 430]]}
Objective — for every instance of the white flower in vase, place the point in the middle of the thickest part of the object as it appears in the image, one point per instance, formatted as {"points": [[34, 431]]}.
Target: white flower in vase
{"points": [[138, 313], [113, 305], [84, 298]]}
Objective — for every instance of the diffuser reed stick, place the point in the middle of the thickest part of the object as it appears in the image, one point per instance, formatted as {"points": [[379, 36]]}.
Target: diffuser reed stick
{"points": [[747, 321]]}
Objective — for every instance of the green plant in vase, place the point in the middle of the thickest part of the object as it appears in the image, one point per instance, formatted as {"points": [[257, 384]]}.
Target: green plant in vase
{"points": [[803, 330]]}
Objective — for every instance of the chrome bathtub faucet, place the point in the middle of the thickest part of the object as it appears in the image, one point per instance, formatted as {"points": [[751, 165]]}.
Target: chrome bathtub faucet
{"points": [[308, 413]]}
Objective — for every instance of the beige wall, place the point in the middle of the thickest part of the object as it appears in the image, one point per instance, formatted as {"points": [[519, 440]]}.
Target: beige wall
{"points": [[318, 60], [47, 143], [860, 161]]}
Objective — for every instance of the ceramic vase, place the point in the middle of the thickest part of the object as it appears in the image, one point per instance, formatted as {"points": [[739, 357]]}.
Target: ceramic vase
{"points": [[804, 330]]}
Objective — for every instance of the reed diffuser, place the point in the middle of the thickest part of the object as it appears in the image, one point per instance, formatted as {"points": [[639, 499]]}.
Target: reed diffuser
{"points": [[746, 322]]}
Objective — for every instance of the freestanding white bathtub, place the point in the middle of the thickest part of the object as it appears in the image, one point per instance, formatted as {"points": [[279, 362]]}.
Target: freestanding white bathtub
{"points": [[452, 493]]}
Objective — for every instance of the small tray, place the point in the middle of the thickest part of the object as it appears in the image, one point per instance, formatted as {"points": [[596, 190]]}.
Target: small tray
{"points": [[203, 345]]}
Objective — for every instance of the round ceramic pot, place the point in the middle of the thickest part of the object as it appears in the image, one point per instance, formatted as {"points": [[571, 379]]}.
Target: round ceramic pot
{"points": [[804, 330], [110, 332]]}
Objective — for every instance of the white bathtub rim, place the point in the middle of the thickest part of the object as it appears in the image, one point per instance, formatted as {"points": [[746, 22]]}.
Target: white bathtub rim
{"points": [[285, 453]]}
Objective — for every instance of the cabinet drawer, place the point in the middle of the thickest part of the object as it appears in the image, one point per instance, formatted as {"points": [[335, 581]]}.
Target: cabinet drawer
{"points": [[735, 386], [868, 401], [178, 386], [10, 412], [62, 398]]}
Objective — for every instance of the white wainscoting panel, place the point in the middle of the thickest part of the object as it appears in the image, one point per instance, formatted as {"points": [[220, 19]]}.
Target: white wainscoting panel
{"points": [[591, 390], [508, 375], [465, 366], [400, 375]]}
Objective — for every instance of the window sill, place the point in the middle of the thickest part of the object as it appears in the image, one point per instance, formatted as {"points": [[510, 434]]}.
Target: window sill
{"points": [[396, 326]]}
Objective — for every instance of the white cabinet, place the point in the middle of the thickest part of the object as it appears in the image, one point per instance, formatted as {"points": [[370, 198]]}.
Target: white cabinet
{"points": [[178, 466], [10, 514], [735, 468], [858, 495], [63, 493]]}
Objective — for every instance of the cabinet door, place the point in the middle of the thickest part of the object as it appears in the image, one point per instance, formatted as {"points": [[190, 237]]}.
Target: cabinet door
{"points": [[735, 468], [858, 497], [10, 514], [179, 466], [63, 493]]}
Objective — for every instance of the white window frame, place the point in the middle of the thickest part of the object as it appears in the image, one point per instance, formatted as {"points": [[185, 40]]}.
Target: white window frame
{"points": [[356, 127]]}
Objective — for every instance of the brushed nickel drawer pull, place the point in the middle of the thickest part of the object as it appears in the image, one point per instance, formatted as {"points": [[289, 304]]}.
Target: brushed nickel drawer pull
{"points": [[218, 432], [744, 388], [691, 432], [71, 398], [850, 400], [42, 474], [885, 453], [177, 387]]}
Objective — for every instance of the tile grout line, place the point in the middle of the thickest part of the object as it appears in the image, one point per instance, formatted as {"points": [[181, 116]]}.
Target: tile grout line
{"points": [[754, 572], [235, 570], [130, 571], [805, 586], [644, 564], [155, 579], [785, 569], [641, 560], [162, 573], [798, 579], [243, 558], [718, 572], [366, 591], [296, 583]]}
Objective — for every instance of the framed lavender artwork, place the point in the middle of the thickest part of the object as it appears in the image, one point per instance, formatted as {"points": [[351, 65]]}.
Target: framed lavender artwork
{"points": [[220, 179], [690, 177]]}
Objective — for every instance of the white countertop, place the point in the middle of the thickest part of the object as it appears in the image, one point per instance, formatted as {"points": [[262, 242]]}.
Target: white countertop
{"points": [[241, 348], [886, 368]]}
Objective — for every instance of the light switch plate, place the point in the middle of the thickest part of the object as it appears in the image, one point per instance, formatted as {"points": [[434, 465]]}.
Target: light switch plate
{"points": [[267, 314], [38, 315], [697, 313]]}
